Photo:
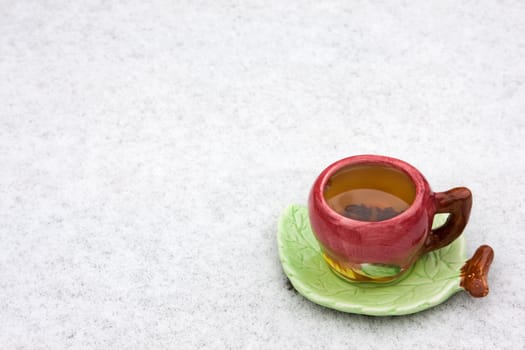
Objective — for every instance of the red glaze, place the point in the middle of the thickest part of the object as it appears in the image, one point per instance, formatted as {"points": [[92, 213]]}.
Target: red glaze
{"points": [[396, 241]]}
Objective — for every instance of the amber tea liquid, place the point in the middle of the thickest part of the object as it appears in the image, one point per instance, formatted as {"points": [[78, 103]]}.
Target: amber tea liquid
{"points": [[369, 192]]}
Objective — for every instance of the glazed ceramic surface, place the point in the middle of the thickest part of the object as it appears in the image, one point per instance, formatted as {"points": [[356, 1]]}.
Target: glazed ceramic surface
{"points": [[433, 278], [384, 250]]}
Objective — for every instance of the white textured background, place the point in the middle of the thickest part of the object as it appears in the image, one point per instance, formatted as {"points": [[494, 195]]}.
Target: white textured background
{"points": [[147, 149]]}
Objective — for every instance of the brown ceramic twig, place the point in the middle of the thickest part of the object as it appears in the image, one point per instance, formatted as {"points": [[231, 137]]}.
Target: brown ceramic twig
{"points": [[474, 272]]}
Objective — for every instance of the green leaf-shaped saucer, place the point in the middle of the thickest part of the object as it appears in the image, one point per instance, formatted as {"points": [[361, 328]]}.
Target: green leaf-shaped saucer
{"points": [[433, 279]]}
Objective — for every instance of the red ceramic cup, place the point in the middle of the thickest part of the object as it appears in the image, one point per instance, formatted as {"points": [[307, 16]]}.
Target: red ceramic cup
{"points": [[365, 235]]}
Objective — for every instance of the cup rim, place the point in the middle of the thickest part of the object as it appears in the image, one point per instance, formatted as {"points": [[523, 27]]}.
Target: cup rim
{"points": [[420, 183]]}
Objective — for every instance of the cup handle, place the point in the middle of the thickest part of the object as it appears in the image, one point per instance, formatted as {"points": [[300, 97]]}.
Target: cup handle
{"points": [[457, 202]]}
